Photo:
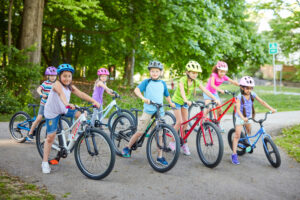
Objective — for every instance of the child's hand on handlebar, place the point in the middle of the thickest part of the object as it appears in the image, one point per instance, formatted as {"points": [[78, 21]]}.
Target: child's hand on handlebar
{"points": [[96, 104], [273, 110], [172, 105], [189, 103], [222, 91], [245, 119], [70, 106], [147, 101]]}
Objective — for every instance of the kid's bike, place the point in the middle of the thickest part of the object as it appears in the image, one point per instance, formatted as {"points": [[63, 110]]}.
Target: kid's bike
{"points": [[158, 139], [21, 122], [93, 150], [245, 145]]}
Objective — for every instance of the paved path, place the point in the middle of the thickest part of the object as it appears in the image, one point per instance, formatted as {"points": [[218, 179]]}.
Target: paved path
{"points": [[134, 178]]}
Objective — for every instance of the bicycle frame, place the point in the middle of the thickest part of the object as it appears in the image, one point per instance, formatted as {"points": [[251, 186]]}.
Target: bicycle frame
{"points": [[231, 102], [260, 132]]}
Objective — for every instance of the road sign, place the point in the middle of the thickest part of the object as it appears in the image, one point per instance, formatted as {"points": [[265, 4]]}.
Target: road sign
{"points": [[278, 67], [273, 48]]}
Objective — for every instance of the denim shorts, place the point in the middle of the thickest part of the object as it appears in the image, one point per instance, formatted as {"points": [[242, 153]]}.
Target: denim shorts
{"points": [[208, 98], [239, 121], [178, 106], [52, 124], [41, 110], [71, 113]]}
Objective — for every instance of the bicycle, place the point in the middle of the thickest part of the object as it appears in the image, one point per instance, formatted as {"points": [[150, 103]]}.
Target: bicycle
{"points": [[211, 137], [158, 139], [21, 122], [245, 145], [212, 113], [93, 150]]}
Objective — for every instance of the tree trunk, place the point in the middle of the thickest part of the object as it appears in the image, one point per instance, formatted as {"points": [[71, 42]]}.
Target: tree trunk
{"points": [[129, 68], [9, 28], [55, 61], [32, 28]]}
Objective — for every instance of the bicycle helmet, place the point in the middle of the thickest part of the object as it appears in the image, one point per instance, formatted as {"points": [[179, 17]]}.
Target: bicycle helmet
{"points": [[102, 71], [247, 81], [193, 66], [222, 65], [51, 71], [155, 64], [65, 67]]}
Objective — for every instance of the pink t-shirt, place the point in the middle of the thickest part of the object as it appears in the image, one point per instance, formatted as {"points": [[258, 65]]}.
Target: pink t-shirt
{"points": [[218, 81]]}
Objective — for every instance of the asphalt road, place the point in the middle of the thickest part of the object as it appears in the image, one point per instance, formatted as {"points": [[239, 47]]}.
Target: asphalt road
{"points": [[133, 178]]}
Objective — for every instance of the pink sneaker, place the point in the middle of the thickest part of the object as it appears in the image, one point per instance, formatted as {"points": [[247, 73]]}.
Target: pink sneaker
{"points": [[185, 149], [172, 146]]}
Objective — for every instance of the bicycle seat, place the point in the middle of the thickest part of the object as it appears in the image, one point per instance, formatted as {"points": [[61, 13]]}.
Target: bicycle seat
{"points": [[33, 105], [135, 109]]}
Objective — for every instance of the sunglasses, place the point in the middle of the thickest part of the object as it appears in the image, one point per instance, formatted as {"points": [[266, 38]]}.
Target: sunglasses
{"points": [[248, 88]]}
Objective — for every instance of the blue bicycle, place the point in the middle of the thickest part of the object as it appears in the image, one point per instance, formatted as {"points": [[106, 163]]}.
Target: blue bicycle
{"points": [[245, 145]]}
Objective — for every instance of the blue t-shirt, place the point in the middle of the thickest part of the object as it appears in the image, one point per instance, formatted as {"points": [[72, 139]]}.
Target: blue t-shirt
{"points": [[155, 90], [247, 104]]}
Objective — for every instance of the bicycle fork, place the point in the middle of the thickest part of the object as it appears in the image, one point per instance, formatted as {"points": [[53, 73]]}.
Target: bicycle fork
{"points": [[88, 134]]}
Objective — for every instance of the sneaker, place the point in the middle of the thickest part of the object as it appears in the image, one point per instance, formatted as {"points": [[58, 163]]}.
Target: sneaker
{"points": [[46, 168], [29, 137], [126, 152], [185, 149], [172, 146], [162, 161], [234, 159]]}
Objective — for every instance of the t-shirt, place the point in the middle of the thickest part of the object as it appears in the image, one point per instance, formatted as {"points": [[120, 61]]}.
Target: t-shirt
{"points": [[46, 87], [218, 82], [177, 98], [247, 104], [155, 90]]}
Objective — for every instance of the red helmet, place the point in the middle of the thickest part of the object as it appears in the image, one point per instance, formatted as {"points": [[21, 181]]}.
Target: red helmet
{"points": [[102, 71]]}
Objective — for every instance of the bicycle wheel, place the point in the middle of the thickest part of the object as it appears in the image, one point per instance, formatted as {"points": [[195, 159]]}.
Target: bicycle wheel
{"points": [[122, 130], [41, 136], [193, 110], [19, 126], [210, 145], [240, 151], [169, 118], [159, 140], [272, 152], [114, 116], [94, 154]]}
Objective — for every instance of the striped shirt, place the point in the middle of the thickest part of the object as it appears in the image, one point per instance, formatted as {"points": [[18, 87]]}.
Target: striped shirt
{"points": [[46, 88]]}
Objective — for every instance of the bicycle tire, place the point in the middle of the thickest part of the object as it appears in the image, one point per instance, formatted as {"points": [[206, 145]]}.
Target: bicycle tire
{"points": [[274, 150], [212, 134], [122, 130], [192, 111], [167, 132], [104, 144], [115, 114], [41, 135], [169, 118], [240, 151], [18, 134]]}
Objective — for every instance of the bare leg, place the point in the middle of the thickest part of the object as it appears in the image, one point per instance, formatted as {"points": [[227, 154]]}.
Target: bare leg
{"points": [[47, 146], [133, 139], [237, 135], [184, 115], [35, 123]]}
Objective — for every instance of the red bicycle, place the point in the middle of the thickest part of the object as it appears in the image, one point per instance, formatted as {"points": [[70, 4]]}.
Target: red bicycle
{"points": [[212, 113], [209, 141]]}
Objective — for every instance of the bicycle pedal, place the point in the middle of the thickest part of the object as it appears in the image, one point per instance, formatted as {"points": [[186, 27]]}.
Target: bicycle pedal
{"points": [[53, 162]]}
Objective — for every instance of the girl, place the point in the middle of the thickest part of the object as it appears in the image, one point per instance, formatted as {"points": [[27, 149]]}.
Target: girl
{"points": [[58, 100], [182, 98], [245, 109], [217, 77], [43, 90], [100, 86]]}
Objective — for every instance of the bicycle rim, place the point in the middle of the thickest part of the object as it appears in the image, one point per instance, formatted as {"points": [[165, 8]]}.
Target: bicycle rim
{"points": [[169, 118], [94, 155], [19, 126], [272, 152], [193, 110]]}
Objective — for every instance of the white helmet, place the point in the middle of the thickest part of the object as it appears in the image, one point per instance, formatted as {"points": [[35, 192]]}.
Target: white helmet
{"points": [[193, 66], [222, 66], [247, 81]]}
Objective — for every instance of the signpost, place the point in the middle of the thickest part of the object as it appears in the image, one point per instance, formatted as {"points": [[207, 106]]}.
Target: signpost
{"points": [[273, 49], [279, 68]]}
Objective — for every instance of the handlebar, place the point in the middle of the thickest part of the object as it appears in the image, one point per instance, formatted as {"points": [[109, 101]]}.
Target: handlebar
{"points": [[230, 92], [116, 95], [81, 109], [261, 120], [201, 104], [158, 105]]}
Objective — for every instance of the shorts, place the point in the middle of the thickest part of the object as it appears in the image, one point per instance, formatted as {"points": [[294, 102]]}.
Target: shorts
{"points": [[52, 124], [208, 98], [143, 122], [178, 106], [239, 121], [41, 110]]}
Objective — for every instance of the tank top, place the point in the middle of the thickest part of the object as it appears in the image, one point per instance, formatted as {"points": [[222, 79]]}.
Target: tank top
{"points": [[54, 105], [98, 94]]}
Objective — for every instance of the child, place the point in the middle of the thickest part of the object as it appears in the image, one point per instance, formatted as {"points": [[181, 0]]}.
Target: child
{"points": [[182, 98], [154, 90], [43, 90], [245, 109], [217, 77], [58, 100], [100, 86]]}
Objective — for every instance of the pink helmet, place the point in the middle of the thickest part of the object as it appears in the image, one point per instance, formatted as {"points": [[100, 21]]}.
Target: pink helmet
{"points": [[51, 71], [102, 71], [247, 81], [222, 65]]}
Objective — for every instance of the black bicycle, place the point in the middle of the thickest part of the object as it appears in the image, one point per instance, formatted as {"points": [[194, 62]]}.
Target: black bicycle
{"points": [[159, 136]]}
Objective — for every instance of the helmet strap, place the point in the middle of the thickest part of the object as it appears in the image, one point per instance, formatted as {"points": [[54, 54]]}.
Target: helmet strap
{"points": [[189, 77]]}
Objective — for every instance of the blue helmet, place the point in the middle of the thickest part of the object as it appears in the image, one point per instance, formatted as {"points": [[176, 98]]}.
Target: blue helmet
{"points": [[155, 64], [65, 67]]}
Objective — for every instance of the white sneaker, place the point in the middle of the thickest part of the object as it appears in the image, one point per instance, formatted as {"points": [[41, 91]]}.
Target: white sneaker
{"points": [[172, 146], [46, 168], [185, 149]]}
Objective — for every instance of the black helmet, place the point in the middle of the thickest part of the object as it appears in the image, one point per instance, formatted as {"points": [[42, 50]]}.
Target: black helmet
{"points": [[155, 64]]}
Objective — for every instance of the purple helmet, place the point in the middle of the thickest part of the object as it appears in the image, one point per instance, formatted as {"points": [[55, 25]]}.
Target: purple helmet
{"points": [[51, 71], [102, 71]]}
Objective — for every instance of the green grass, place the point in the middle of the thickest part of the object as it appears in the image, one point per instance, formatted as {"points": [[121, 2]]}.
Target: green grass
{"points": [[290, 141], [5, 117], [12, 187], [265, 88]]}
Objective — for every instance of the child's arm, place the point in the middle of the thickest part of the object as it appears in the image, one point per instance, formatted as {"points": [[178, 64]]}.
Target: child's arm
{"points": [[209, 94], [57, 87], [39, 91], [108, 90], [84, 96], [138, 93], [168, 98], [233, 82], [182, 92], [238, 110], [212, 84], [262, 102]]}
